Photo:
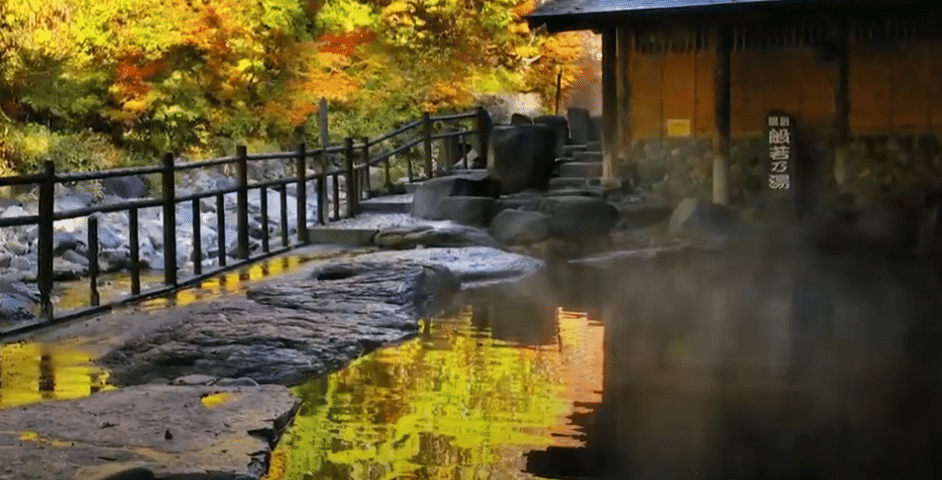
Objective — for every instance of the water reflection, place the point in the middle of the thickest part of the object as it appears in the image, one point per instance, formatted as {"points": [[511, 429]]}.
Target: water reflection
{"points": [[74, 295], [804, 368], [457, 402], [33, 372]]}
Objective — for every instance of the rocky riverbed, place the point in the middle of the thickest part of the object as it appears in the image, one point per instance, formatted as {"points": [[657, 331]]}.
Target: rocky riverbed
{"points": [[214, 420]]}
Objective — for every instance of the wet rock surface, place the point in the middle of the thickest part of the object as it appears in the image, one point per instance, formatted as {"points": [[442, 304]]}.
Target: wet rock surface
{"points": [[146, 432], [288, 330], [433, 236], [468, 265]]}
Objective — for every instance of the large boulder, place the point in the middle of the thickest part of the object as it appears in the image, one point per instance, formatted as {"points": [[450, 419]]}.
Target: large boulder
{"points": [[125, 187], [560, 125], [580, 128], [524, 156], [578, 217], [520, 119], [15, 308], [695, 217], [474, 211], [518, 227], [64, 241], [426, 203]]}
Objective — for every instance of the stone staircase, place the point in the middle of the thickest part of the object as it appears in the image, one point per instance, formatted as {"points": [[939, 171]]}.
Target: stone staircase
{"points": [[579, 168]]}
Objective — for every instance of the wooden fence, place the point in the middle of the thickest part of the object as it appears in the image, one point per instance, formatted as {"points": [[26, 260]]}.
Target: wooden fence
{"points": [[308, 165]]}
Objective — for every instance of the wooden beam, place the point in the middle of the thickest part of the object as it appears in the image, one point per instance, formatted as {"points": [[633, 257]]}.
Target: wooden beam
{"points": [[841, 105], [624, 90], [609, 103], [723, 96]]}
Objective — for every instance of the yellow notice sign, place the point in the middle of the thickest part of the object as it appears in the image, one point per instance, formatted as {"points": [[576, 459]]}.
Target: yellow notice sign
{"points": [[678, 127]]}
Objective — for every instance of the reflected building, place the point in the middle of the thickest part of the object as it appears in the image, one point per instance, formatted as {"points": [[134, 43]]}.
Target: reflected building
{"points": [[743, 368]]}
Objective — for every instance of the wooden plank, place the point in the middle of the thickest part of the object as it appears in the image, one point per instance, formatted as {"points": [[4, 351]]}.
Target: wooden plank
{"points": [[746, 102], [679, 87], [646, 107], [704, 122], [625, 47], [816, 89], [934, 63], [869, 89], [609, 102], [909, 77]]}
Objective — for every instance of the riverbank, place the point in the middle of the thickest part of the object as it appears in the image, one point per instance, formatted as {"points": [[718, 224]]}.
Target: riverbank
{"points": [[284, 330]]}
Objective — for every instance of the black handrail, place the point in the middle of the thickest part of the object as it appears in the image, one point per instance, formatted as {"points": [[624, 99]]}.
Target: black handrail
{"points": [[308, 166]]}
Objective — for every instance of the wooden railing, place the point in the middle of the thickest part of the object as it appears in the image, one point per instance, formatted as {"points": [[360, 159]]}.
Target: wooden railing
{"points": [[354, 173]]}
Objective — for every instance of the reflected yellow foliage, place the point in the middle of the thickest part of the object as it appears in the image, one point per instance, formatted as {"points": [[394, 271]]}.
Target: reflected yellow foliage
{"points": [[35, 372], [216, 399], [454, 403], [36, 438], [112, 287]]}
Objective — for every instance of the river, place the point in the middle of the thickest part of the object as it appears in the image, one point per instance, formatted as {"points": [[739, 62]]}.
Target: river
{"points": [[683, 367]]}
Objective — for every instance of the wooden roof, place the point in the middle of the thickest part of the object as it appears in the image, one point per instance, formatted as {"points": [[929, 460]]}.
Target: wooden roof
{"points": [[563, 15]]}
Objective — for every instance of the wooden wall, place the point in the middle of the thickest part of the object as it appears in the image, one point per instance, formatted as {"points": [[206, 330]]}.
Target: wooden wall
{"points": [[892, 90]]}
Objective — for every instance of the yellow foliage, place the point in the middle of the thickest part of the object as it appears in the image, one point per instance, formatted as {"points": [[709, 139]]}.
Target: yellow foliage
{"points": [[525, 8]]}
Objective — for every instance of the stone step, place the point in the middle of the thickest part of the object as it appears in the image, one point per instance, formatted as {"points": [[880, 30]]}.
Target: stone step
{"points": [[581, 169], [569, 150], [587, 156], [573, 148], [403, 206], [354, 237], [595, 146], [560, 183]]}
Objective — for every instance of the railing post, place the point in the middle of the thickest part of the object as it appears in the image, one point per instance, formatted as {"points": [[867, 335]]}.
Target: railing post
{"points": [[283, 191], [462, 152], [351, 180], [221, 228], [47, 192], [484, 133], [336, 196], [94, 298], [242, 201], [170, 220], [263, 200], [388, 179], [302, 193], [135, 244], [197, 237], [321, 198], [365, 186], [427, 133]]}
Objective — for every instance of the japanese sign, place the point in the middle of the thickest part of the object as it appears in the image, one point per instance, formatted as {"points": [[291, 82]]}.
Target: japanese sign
{"points": [[780, 138]]}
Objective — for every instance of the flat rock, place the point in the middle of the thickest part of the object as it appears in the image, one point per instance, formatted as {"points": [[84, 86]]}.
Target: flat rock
{"points": [[515, 227], [433, 236], [150, 431], [470, 264], [287, 330]]}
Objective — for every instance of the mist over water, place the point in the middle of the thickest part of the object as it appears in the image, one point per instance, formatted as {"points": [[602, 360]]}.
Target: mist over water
{"points": [[770, 362]]}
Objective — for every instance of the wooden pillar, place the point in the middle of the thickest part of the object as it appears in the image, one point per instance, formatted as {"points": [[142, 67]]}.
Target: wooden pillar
{"points": [[841, 105], [609, 104], [624, 90], [723, 94]]}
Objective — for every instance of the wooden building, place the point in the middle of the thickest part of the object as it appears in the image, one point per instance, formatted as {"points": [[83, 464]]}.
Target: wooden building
{"points": [[697, 88]]}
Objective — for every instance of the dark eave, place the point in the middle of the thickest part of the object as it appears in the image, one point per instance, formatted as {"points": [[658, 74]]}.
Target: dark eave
{"points": [[567, 15]]}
